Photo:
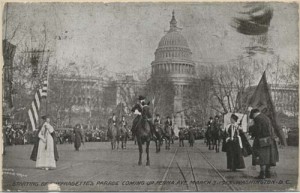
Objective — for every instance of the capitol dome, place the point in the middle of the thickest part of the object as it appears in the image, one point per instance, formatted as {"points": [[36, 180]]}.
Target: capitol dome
{"points": [[173, 55], [173, 38]]}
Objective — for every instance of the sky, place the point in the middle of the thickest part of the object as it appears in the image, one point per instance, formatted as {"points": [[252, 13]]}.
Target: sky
{"points": [[123, 37]]}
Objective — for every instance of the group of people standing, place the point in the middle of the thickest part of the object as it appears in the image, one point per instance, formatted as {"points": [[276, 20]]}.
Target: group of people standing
{"points": [[264, 149]]}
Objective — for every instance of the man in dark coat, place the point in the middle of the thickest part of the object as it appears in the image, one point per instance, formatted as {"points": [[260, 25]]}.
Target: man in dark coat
{"points": [[264, 154], [181, 137]]}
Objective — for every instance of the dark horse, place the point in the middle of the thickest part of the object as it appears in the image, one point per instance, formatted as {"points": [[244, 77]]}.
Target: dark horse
{"points": [[168, 136], [123, 135], [208, 137], [113, 134], [143, 133], [158, 136], [216, 135]]}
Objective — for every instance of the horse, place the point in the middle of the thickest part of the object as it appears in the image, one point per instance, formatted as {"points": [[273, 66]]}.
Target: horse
{"points": [[216, 136], [113, 134], [172, 135], [168, 136], [123, 136], [143, 133], [158, 136], [208, 137]]}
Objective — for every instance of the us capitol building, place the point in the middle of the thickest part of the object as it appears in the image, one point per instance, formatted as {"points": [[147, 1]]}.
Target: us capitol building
{"points": [[173, 60]]}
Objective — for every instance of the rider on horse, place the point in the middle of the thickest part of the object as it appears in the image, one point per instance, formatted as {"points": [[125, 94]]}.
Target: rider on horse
{"points": [[168, 122], [137, 109], [157, 121], [123, 123]]}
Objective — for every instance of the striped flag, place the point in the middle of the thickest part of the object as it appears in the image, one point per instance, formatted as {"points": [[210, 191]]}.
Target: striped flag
{"points": [[33, 111]]}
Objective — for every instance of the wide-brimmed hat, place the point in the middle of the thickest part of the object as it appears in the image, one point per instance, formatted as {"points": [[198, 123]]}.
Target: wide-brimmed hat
{"points": [[234, 117], [44, 117], [141, 98], [252, 112]]}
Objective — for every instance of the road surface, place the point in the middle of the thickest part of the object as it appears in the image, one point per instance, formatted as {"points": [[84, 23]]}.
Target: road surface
{"points": [[97, 168]]}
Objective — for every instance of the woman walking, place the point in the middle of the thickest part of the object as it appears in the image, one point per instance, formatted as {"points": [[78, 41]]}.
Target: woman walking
{"points": [[47, 153], [78, 137], [233, 145]]}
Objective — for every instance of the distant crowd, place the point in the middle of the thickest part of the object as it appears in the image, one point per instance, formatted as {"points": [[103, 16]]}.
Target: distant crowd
{"points": [[19, 135]]}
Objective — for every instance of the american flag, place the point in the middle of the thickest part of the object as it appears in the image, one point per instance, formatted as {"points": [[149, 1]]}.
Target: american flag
{"points": [[33, 111]]}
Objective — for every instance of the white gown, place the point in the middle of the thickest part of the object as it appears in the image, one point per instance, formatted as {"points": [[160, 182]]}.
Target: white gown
{"points": [[45, 155]]}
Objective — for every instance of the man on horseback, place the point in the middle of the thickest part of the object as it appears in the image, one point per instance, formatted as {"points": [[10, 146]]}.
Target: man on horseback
{"points": [[123, 125], [168, 122], [137, 109], [157, 121], [208, 133]]}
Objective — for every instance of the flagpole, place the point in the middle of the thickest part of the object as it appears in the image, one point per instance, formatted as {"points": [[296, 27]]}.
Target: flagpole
{"points": [[47, 86]]}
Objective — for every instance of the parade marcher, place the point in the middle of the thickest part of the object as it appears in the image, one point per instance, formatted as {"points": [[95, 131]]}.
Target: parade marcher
{"points": [[181, 137], [157, 120], [148, 117], [47, 152], [124, 124], [78, 137], [208, 130], [36, 140], [113, 121], [191, 134], [168, 122], [233, 145], [286, 135], [137, 109], [265, 152]]}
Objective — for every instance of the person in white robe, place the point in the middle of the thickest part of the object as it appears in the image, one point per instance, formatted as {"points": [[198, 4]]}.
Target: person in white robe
{"points": [[45, 156]]}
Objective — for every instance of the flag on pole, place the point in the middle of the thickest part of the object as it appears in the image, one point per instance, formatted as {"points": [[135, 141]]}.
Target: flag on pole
{"points": [[262, 100], [34, 109]]}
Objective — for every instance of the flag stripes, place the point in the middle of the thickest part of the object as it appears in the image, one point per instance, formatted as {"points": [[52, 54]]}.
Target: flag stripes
{"points": [[35, 107]]}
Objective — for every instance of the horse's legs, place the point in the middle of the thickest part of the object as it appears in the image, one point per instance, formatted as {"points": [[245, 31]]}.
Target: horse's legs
{"points": [[140, 151], [147, 151], [118, 142], [122, 143], [125, 141], [218, 146]]}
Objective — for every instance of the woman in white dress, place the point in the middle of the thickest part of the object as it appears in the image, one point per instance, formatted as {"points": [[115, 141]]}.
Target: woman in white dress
{"points": [[45, 156]]}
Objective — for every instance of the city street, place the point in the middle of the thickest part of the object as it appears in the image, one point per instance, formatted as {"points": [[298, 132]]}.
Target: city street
{"points": [[97, 168]]}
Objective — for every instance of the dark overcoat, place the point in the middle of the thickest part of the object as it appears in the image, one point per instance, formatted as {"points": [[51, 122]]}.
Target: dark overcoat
{"points": [[263, 155]]}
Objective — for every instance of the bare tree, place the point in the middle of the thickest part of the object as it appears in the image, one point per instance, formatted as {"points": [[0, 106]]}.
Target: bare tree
{"points": [[161, 92]]}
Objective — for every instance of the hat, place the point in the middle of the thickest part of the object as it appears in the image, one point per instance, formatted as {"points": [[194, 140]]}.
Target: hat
{"points": [[234, 117], [157, 115], [168, 117], [211, 118], [252, 112], [44, 117], [217, 116], [141, 97]]}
